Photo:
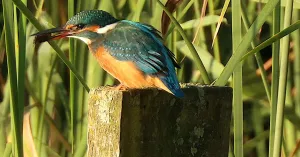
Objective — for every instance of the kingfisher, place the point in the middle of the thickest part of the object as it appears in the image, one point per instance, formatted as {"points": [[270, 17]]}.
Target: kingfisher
{"points": [[131, 52]]}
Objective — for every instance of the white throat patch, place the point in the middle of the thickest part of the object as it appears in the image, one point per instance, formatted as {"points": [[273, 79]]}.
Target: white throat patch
{"points": [[86, 40], [106, 28]]}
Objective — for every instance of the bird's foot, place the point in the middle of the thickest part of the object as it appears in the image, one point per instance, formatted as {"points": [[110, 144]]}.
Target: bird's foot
{"points": [[121, 87]]}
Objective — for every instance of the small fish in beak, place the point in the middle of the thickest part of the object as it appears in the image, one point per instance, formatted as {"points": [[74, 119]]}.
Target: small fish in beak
{"points": [[51, 34]]}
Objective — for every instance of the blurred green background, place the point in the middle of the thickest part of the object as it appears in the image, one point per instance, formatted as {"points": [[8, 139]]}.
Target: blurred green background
{"points": [[36, 86]]}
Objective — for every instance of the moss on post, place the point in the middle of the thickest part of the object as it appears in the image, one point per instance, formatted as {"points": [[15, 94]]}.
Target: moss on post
{"points": [[153, 123]]}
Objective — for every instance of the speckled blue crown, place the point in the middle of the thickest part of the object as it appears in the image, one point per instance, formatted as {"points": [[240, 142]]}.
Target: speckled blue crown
{"points": [[92, 17]]}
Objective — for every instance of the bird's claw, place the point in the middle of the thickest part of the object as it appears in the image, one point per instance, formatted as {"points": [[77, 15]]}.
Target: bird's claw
{"points": [[121, 87]]}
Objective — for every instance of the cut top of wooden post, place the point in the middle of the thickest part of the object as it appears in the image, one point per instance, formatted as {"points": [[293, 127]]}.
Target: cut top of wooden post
{"points": [[154, 123]]}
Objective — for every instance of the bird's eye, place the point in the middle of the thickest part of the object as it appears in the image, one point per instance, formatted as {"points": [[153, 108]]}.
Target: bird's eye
{"points": [[80, 26]]}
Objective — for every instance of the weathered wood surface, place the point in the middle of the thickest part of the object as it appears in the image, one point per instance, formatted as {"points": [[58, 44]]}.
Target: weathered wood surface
{"points": [[153, 123]]}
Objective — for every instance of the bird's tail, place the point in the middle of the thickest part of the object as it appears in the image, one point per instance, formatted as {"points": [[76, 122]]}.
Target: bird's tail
{"points": [[170, 80], [172, 84]]}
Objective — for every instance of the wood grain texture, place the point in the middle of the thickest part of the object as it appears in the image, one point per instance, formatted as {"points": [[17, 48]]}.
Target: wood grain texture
{"points": [[154, 123]]}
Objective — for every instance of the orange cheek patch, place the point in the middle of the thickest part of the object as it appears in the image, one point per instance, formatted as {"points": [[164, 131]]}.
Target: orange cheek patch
{"points": [[69, 27], [91, 28]]}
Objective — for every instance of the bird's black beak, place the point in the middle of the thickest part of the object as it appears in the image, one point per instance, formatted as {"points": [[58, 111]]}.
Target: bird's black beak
{"points": [[51, 34]]}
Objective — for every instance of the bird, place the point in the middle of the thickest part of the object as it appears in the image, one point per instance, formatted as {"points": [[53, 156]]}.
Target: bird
{"points": [[132, 52]]}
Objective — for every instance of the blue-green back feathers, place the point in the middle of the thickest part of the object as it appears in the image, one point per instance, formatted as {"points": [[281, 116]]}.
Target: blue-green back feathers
{"points": [[142, 44]]}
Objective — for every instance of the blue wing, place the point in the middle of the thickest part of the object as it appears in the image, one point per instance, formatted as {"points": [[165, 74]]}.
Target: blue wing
{"points": [[142, 44]]}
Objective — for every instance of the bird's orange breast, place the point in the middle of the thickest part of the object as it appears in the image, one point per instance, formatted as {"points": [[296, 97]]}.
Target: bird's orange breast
{"points": [[126, 71]]}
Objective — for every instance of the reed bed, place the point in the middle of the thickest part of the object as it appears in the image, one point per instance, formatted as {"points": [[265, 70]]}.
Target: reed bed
{"points": [[251, 45]]}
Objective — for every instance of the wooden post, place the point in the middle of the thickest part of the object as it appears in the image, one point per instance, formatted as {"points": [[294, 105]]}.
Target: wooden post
{"points": [[153, 123]]}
